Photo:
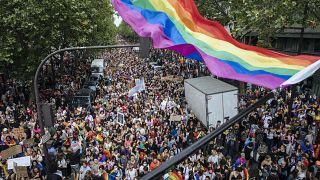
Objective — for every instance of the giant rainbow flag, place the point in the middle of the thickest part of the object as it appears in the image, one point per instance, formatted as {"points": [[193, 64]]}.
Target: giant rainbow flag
{"points": [[177, 25]]}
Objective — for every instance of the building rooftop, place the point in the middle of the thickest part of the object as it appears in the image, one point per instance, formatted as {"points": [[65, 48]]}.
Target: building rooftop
{"points": [[210, 85]]}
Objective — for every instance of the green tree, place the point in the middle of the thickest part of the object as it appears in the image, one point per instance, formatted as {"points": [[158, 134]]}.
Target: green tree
{"points": [[265, 17], [31, 29], [126, 32]]}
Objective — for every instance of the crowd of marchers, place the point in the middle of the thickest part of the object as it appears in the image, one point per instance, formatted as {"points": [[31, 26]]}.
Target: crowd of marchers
{"points": [[122, 136]]}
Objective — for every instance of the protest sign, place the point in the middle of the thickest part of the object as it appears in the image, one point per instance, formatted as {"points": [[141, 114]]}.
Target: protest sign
{"points": [[172, 78], [120, 118], [156, 77], [22, 161], [29, 142], [21, 171], [166, 78], [5, 154], [175, 118]]}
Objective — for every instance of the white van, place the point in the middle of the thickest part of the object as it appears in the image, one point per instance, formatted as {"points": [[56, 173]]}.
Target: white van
{"points": [[136, 49], [97, 67]]}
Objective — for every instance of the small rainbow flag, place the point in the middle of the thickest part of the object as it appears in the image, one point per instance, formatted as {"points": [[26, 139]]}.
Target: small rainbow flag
{"points": [[174, 176], [177, 25], [107, 176]]}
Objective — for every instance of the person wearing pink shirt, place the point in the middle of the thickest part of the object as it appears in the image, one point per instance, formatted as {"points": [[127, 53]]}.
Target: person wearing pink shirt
{"points": [[36, 129]]}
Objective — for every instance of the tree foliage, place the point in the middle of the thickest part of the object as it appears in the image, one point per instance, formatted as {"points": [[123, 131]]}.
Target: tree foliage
{"points": [[265, 17], [31, 29], [126, 32]]}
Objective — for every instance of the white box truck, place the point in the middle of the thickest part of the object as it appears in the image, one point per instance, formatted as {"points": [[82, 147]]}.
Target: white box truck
{"points": [[211, 100], [97, 67]]}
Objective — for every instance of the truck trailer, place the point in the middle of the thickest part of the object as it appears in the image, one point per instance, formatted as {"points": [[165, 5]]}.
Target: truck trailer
{"points": [[211, 100]]}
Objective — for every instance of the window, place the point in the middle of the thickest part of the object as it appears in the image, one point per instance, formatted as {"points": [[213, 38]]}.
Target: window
{"points": [[317, 45], [254, 40], [292, 44], [273, 42], [307, 45], [280, 43]]}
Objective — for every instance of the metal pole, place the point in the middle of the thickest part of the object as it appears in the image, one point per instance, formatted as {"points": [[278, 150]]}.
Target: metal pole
{"points": [[36, 88], [155, 174]]}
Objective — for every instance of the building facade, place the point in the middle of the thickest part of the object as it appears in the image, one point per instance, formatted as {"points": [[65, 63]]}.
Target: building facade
{"points": [[287, 42]]}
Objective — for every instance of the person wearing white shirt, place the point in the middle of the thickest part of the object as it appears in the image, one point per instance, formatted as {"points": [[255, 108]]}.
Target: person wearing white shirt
{"points": [[193, 158], [142, 167], [131, 173], [266, 120], [208, 174], [213, 158], [187, 171], [90, 119], [62, 165], [83, 170]]}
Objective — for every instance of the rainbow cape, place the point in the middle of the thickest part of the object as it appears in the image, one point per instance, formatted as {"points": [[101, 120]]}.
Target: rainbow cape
{"points": [[177, 25]]}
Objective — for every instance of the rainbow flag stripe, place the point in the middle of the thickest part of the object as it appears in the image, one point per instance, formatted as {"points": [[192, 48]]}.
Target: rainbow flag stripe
{"points": [[177, 25], [107, 176]]}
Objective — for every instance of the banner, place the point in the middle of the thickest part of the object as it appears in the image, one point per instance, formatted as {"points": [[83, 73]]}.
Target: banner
{"points": [[11, 151], [21, 171], [22, 161], [175, 118], [172, 78]]}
